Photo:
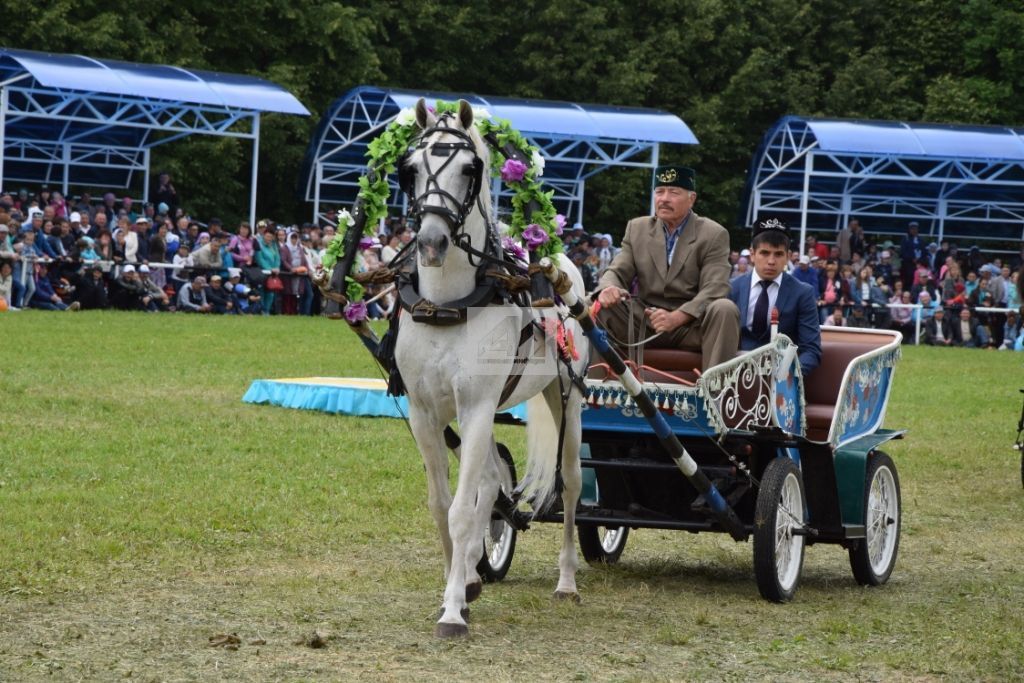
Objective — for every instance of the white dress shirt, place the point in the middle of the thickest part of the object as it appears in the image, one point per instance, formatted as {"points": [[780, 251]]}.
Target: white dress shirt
{"points": [[755, 293]]}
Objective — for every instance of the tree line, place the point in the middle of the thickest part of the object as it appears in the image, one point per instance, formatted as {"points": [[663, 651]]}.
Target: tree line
{"points": [[729, 68]]}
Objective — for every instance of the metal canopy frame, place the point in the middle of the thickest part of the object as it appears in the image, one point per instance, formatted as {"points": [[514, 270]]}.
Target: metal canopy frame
{"points": [[576, 141], [54, 131], [957, 182]]}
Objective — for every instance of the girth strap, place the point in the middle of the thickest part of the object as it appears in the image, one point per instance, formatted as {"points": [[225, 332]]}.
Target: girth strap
{"points": [[512, 381]]}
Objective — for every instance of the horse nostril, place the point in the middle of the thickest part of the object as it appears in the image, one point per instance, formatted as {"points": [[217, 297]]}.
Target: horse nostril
{"points": [[443, 244]]}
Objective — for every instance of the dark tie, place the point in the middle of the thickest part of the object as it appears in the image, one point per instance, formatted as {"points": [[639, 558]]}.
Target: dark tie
{"points": [[760, 323]]}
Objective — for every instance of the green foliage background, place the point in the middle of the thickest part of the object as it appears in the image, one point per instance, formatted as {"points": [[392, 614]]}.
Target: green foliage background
{"points": [[729, 68]]}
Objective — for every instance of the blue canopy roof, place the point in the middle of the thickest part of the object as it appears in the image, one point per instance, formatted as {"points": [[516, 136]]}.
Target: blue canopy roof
{"points": [[576, 140], [565, 118], [76, 72], [961, 182], [74, 120], [945, 141]]}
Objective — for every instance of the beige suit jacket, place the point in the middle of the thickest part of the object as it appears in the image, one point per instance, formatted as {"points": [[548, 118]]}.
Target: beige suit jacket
{"points": [[699, 272]]}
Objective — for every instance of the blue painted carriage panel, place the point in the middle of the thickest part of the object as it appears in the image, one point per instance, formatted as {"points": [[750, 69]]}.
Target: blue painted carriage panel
{"points": [[862, 405], [789, 404], [685, 417]]}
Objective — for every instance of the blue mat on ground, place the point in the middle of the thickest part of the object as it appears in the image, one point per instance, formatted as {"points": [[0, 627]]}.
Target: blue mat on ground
{"points": [[344, 395]]}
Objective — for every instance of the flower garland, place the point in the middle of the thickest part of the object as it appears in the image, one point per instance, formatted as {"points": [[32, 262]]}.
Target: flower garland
{"points": [[541, 235]]}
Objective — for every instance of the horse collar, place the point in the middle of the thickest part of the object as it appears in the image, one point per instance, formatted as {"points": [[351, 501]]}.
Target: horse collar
{"points": [[450, 312]]}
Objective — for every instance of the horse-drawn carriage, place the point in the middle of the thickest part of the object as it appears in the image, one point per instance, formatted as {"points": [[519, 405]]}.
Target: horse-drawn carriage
{"points": [[799, 463], [746, 448]]}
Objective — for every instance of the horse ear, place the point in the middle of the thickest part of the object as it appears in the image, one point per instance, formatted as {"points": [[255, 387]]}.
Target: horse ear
{"points": [[424, 119], [465, 114]]}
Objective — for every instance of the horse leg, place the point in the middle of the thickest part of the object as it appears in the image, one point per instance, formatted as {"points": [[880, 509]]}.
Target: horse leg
{"points": [[431, 444], [572, 481], [471, 495], [486, 491], [474, 584]]}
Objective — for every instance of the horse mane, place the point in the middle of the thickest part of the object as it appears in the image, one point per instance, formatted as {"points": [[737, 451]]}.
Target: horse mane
{"points": [[483, 150]]}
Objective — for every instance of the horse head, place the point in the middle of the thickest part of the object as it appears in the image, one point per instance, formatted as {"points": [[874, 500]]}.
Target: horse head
{"points": [[444, 177]]}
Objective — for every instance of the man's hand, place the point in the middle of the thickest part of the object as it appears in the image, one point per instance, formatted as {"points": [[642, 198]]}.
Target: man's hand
{"points": [[666, 321], [611, 296]]}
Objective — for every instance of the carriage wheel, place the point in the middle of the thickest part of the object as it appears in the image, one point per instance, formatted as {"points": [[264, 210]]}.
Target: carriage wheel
{"points": [[874, 557], [499, 536], [778, 550], [601, 544]]}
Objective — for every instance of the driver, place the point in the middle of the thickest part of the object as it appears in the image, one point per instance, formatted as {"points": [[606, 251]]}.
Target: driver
{"points": [[680, 262]]}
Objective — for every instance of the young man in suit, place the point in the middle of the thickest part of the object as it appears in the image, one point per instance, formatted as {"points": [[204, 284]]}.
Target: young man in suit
{"points": [[769, 287], [680, 262]]}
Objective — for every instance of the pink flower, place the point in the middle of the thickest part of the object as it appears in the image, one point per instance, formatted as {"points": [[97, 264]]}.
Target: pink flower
{"points": [[513, 249], [559, 224], [534, 236], [512, 171], [355, 311]]}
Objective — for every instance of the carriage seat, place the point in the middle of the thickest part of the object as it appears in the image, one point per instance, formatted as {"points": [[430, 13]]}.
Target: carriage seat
{"points": [[675, 362], [821, 389]]}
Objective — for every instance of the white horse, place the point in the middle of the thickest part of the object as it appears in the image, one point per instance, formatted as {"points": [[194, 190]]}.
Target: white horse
{"points": [[451, 372]]}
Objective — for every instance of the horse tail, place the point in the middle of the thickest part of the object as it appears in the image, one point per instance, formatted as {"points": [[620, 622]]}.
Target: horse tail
{"points": [[542, 426]]}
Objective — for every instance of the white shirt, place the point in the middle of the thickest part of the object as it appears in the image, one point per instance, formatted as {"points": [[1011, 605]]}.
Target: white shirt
{"points": [[755, 293]]}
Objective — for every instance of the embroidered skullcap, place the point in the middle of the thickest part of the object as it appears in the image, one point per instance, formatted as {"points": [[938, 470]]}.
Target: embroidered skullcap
{"points": [[676, 176]]}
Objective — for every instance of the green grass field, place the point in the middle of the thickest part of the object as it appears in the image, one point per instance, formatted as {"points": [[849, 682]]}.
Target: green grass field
{"points": [[144, 509]]}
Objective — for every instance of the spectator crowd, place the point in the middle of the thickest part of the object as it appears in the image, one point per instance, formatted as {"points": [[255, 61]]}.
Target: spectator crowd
{"points": [[57, 254], [955, 298], [952, 296], [111, 253]]}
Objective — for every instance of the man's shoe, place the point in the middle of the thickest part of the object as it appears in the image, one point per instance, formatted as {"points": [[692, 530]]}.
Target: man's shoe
{"points": [[74, 306]]}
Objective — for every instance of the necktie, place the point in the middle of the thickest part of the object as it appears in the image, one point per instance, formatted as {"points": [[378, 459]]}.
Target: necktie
{"points": [[759, 326]]}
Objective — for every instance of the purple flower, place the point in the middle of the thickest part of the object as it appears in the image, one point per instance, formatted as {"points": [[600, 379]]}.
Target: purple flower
{"points": [[365, 243], [512, 171], [355, 312], [559, 224], [534, 236], [513, 249]]}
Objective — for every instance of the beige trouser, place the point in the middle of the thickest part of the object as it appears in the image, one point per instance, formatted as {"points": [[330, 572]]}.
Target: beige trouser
{"points": [[716, 336]]}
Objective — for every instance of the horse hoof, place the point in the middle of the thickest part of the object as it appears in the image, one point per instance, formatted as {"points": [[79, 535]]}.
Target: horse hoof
{"points": [[446, 630], [565, 595], [473, 590]]}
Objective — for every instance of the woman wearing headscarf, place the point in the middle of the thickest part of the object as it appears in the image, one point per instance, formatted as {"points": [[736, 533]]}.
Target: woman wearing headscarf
{"points": [[296, 265]]}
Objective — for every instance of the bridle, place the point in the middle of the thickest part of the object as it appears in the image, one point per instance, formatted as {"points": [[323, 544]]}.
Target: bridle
{"points": [[453, 210]]}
